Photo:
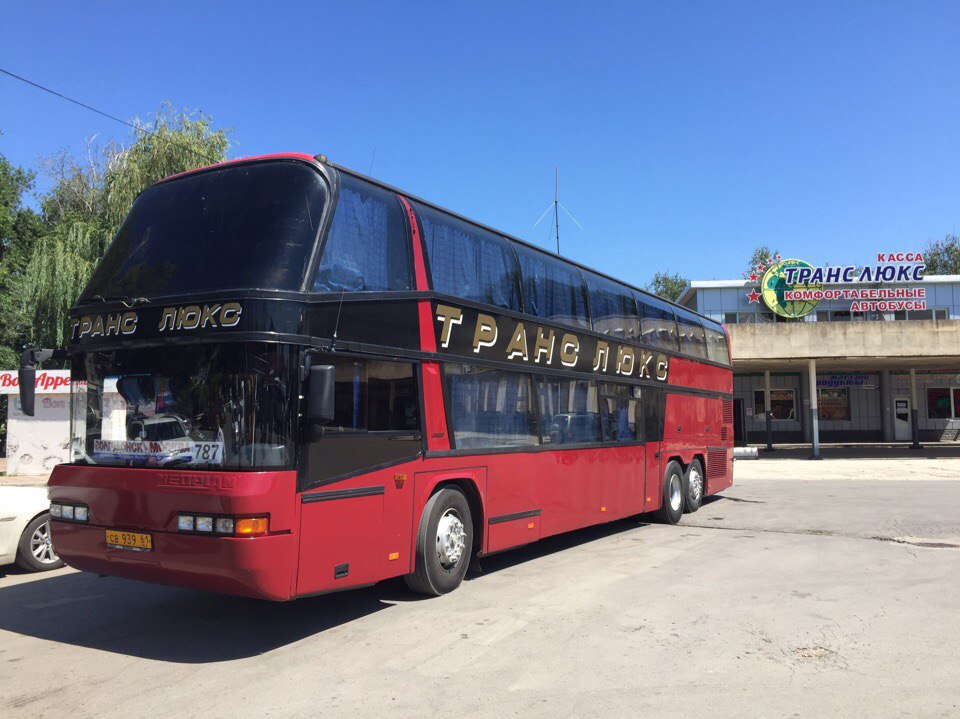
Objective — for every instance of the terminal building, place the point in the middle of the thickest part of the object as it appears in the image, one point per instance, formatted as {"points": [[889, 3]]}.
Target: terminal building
{"points": [[838, 369]]}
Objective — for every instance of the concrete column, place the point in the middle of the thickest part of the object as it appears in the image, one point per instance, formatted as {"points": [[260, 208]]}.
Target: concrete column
{"points": [[803, 411], [766, 409], [814, 420], [914, 413], [886, 407]]}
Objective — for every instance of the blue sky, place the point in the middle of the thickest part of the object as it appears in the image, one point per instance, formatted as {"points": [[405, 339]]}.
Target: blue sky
{"points": [[687, 133]]}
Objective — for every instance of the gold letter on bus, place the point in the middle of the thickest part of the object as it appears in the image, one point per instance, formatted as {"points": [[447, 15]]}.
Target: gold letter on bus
{"points": [[449, 316], [486, 333], [518, 345]]}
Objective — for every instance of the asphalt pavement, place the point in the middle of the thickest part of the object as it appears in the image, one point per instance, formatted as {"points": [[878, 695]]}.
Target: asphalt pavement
{"points": [[801, 592]]}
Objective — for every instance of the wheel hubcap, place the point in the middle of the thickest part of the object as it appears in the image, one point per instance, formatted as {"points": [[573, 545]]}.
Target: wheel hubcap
{"points": [[676, 494], [41, 546], [696, 486], [451, 539]]}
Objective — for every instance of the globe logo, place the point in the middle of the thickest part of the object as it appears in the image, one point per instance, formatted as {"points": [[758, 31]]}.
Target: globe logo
{"points": [[774, 285]]}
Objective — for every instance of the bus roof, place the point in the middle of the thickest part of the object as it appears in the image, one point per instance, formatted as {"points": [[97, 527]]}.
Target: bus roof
{"points": [[322, 159], [312, 159]]}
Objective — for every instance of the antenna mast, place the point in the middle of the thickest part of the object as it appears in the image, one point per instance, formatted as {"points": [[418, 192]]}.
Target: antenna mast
{"points": [[556, 205]]}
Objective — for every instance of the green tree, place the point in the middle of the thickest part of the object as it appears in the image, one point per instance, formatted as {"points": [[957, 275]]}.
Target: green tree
{"points": [[668, 286], [942, 257], [89, 200], [762, 255], [19, 228]]}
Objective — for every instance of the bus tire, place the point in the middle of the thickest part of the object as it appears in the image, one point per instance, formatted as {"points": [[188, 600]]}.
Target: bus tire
{"points": [[444, 544], [672, 508], [693, 486]]}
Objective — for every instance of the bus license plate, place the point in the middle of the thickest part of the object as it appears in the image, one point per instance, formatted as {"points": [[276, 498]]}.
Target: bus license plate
{"points": [[137, 541]]}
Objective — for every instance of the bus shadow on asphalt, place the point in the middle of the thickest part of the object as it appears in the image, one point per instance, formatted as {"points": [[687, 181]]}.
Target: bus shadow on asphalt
{"points": [[185, 626], [557, 543], [133, 618]]}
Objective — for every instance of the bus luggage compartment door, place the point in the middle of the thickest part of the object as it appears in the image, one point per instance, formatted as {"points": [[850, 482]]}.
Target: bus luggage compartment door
{"points": [[340, 538]]}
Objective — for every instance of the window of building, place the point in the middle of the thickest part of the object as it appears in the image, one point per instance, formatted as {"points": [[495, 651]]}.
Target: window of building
{"points": [[490, 408], [552, 289], [367, 249], [658, 326], [469, 262], [569, 410], [782, 404], [937, 313], [833, 403], [940, 404], [613, 310], [619, 412], [731, 318]]}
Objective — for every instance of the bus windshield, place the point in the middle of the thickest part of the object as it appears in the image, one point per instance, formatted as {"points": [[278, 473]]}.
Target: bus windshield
{"points": [[229, 406], [250, 225]]}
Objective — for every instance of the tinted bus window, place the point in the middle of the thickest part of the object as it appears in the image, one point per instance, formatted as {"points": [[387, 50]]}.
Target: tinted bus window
{"points": [[490, 408], [569, 410], [717, 349], [552, 289], [367, 249], [376, 420], [612, 308], [250, 225], [620, 412], [657, 324], [468, 262], [692, 338]]}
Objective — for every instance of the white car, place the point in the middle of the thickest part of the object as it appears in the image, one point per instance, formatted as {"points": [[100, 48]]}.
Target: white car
{"points": [[25, 529]]}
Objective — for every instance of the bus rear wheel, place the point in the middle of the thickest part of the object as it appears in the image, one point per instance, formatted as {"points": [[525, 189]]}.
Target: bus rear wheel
{"points": [[444, 543], [693, 486], [671, 508]]}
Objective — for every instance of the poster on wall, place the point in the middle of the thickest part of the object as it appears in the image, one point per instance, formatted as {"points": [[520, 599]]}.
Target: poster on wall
{"points": [[834, 404]]}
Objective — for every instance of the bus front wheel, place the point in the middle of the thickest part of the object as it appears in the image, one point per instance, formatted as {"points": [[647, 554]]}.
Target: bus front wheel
{"points": [[444, 543], [672, 508]]}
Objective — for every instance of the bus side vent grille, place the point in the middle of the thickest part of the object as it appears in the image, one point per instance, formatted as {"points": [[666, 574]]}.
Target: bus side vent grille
{"points": [[716, 463], [728, 411], [723, 432]]}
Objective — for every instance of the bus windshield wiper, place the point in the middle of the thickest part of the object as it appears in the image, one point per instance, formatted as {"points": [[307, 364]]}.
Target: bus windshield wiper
{"points": [[125, 299]]}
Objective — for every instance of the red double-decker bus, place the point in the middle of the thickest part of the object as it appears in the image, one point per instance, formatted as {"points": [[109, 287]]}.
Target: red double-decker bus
{"points": [[289, 379]]}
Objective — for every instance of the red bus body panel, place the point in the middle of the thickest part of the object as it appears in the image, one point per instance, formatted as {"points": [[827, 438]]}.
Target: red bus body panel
{"points": [[149, 500]]}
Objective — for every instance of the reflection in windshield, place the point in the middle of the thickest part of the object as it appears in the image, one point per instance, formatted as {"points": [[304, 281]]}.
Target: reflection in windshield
{"points": [[230, 406]]}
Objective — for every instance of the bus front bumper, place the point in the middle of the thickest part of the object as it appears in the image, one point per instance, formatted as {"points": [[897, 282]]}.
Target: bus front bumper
{"points": [[258, 567]]}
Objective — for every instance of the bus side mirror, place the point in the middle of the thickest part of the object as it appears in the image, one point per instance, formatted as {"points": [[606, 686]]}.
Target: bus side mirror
{"points": [[28, 389], [320, 406], [27, 376]]}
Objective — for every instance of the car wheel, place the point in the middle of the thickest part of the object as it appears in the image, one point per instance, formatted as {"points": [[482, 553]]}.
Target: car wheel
{"points": [[35, 552], [444, 543]]}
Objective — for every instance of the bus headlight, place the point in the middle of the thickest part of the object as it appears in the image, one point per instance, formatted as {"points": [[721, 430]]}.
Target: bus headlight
{"points": [[222, 526], [69, 512]]}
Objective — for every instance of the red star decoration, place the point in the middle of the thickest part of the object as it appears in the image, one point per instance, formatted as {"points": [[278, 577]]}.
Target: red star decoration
{"points": [[760, 267], [754, 277], [754, 296]]}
